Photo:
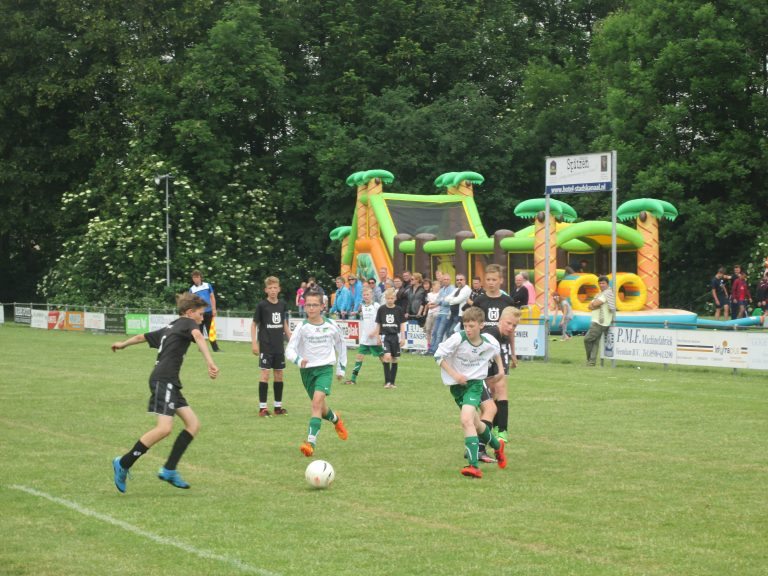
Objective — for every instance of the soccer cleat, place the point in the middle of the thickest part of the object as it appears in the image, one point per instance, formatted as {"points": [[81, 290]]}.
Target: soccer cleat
{"points": [[307, 449], [264, 413], [280, 411], [121, 475], [387, 385], [501, 458], [349, 381], [341, 430], [485, 458], [472, 472], [503, 435], [172, 477]]}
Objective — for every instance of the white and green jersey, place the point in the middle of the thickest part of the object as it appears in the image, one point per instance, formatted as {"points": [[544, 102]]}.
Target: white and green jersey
{"points": [[368, 323], [466, 358], [318, 344]]}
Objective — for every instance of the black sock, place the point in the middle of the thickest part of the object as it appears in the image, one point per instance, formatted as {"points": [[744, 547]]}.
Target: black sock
{"points": [[278, 390], [130, 457], [263, 387], [387, 371], [502, 414], [182, 441], [394, 372]]}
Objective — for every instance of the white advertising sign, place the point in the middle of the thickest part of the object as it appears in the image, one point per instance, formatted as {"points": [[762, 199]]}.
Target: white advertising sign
{"points": [[641, 345], [235, 329], [158, 321], [94, 321], [529, 340], [39, 319], [721, 349], [579, 174], [757, 359], [415, 337], [2, 314]]}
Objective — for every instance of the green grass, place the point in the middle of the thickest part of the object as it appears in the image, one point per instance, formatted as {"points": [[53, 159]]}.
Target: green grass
{"points": [[611, 471]]}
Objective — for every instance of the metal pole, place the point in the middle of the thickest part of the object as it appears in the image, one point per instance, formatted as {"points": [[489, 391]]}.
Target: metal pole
{"points": [[547, 248], [167, 237], [613, 234]]}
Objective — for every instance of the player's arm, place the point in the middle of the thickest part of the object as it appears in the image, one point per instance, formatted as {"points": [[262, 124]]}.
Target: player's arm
{"points": [[137, 339], [202, 345], [254, 338], [287, 329], [452, 372], [341, 353], [714, 296]]}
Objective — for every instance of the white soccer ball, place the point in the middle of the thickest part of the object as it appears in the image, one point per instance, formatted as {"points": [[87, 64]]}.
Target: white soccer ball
{"points": [[319, 474]]}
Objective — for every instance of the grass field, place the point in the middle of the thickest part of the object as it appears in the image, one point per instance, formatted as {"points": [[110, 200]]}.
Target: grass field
{"points": [[611, 471]]}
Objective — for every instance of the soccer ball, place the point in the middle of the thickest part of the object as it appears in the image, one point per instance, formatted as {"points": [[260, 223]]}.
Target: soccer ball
{"points": [[319, 474]]}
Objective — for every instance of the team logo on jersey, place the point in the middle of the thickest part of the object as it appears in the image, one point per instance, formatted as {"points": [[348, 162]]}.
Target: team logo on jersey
{"points": [[390, 318], [275, 317], [493, 314]]}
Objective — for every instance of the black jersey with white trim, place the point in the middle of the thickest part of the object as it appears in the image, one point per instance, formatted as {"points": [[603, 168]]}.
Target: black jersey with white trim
{"points": [[172, 343]]}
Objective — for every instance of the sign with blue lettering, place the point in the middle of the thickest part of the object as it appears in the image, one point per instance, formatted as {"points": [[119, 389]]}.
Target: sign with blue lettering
{"points": [[579, 174]]}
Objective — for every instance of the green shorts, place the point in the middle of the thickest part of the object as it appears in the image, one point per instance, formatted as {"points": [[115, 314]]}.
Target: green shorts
{"points": [[317, 378], [467, 395], [370, 350]]}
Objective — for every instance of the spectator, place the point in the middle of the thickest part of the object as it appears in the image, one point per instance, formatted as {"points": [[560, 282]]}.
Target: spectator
{"points": [[720, 294], [477, 290], [375, 291], [562, 306], [762, 291], [603, 308], [529, 287], [416, 298], [382, 283], [430, 308], [205, 291], [401, 294], [740, 295], [342, 299], [457, 300], [520, 296], [443, 313], [300, 298], [356, 294]]}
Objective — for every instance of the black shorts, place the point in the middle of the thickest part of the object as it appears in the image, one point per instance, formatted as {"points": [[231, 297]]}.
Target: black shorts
{"points": [[486, 395], [391, 345], [505, 356], [271, 361], [165, 398]]}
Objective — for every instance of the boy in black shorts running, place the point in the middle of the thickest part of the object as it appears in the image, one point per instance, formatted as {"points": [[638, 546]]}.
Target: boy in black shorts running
{"points": [[166, 399], [270, 321], [390, 327]]}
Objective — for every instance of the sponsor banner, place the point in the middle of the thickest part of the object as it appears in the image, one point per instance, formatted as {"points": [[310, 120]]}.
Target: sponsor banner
{"points": [[39, 319], [74, 320], [159, 321], [56, 320], [415, 337], [236, 329], [757, 359], [22, 314], [530, 340], [579, 174], [720, 349], [94, 321], [2, 314], [114, 322], [641, 345], [136, 323]]}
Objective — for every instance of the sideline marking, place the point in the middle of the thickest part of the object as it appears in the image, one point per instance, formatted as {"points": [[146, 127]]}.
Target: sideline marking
{"points": [[207, 554]]}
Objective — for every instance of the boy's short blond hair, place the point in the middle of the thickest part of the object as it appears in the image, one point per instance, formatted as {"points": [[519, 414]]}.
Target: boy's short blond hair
{"points": [[493, 269], [510, 311], [367, 289], [473, 314], [270, 280], [390, 292]]}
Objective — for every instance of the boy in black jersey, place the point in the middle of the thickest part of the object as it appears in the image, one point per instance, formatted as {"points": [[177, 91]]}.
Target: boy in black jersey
{"points": [[390, 327], [271, 322], [492, 303], [166, 399]]}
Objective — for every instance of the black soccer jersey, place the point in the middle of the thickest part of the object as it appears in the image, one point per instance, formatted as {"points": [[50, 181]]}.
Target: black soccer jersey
{"points": [[171, 343], [390, 319], [270, 319], [492, 308]]}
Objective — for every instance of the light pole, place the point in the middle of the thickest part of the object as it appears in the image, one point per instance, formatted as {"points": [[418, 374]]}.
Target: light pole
{"points": [[158, 179]]}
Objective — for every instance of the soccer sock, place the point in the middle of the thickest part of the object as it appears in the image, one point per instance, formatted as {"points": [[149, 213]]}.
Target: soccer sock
{"points": [[314, 430], [387, 369], [483, 442], [487, 437], [263, 387], [356, 370], [330, 416], [393, 372], [182, 441], [130, 457], [502, 414], [278, 390], [471, 448]]}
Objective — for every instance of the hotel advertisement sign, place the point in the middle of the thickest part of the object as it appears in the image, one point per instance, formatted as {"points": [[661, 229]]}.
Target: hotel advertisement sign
{"points": [[579, 174]]}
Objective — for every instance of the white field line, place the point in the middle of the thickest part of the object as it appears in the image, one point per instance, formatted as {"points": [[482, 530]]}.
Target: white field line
{"points": [[206, 554]]}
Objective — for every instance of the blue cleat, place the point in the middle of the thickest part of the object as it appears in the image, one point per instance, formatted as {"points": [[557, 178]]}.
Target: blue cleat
{"points": [[121, 475], [172, 477]]}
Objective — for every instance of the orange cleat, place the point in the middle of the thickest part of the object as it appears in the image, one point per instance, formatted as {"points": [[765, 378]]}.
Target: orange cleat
{"points": [[340, 429], [307, 449], [501, 458], [472, 472]]}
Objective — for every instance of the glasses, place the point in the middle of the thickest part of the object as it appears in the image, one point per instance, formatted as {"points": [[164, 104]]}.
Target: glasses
{"points": [[352, 279], [371, 281]]}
